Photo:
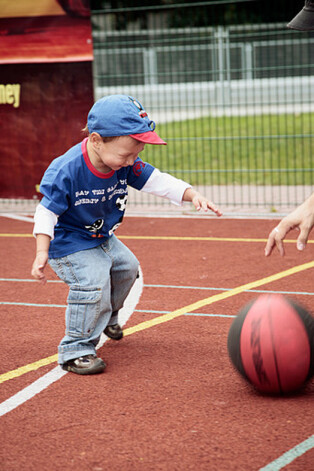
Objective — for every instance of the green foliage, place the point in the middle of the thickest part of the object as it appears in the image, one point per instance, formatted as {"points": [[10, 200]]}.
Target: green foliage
{"points": [[264, 149]]}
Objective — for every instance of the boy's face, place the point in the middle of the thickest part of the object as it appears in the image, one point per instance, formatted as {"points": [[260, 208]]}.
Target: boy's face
{"points": [[115, 154]]}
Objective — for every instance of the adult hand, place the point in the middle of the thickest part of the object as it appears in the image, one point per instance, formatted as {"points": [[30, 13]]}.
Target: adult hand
{"points": [[301, 218]]}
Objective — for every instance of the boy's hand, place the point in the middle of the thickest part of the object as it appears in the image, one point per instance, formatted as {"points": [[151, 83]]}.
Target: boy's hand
{"points": [[200, 202], [39, 265]]}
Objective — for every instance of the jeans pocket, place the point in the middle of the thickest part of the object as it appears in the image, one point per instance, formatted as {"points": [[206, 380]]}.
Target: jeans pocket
{"points": [[83, 311]]}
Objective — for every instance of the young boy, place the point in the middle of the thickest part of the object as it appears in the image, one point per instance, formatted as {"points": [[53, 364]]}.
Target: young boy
{"points": [[84, 197]]}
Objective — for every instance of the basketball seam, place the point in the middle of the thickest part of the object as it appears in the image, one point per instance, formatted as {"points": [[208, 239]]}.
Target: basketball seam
{"points": [[273, 346]]}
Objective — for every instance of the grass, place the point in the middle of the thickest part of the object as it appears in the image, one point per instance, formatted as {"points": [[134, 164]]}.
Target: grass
{"points": [[259, 150]]}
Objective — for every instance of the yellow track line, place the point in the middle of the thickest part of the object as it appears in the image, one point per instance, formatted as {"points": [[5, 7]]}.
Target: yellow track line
{"points": [[211, 239], [27, 368], [172, 315], [3, 234], [217, 297]]}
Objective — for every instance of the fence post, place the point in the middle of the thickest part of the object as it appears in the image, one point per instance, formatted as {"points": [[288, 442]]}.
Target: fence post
{"points": [[221, 36], [150, 66], [247, 61]]}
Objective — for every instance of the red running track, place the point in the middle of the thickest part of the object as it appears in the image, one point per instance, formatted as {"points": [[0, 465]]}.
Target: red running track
{"points": [[169, 399]]}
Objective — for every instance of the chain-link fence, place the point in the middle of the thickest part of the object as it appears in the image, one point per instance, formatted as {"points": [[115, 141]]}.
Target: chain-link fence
{"points": [[230, 94]]}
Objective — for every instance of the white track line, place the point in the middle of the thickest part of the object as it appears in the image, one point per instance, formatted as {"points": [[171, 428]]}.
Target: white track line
{"points": [[17, 217], [290, 455], [201, 288], [56, 373]]}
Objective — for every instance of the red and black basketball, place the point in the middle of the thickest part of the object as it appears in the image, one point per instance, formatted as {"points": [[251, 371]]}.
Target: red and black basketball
{"points": [[271, 344]]}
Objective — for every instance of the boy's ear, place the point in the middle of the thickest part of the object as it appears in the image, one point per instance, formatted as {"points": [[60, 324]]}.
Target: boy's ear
{"points": [[95, 138]]}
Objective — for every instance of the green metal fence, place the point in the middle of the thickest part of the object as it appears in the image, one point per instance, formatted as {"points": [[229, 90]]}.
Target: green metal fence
{"points": [[231, 93]]}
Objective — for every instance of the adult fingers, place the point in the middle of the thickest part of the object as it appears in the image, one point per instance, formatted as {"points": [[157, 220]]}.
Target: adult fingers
{"points": [[275, 238], [302, 239], [269, 245]]}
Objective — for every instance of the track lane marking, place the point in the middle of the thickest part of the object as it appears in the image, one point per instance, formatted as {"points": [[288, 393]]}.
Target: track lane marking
{"points": [[290, 455], [17, 217], [178, 238], [217, 297], [210, 239], [57, 372], [172, 315], [277, 464], [199, 288], [28, 368]]}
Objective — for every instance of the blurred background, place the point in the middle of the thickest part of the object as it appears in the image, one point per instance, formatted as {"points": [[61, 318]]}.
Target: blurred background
{"points": [[228, 84]]}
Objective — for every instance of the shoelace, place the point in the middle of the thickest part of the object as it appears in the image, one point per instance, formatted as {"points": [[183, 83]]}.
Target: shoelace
{"points": [[84, 359]]}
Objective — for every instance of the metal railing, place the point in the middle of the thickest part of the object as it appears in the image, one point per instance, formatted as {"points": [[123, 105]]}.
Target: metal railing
{"points": [[234, 103]]}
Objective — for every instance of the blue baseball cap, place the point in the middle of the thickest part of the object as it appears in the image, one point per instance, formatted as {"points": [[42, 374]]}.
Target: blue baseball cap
{"points": [[122, 115]]}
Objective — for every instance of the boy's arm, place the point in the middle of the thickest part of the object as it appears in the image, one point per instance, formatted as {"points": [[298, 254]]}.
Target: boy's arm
{"points": [[41, 259], [177, 191], [45, 220], [165, 185]]}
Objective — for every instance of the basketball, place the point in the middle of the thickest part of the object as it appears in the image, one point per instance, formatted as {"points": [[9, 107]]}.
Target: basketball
{"points": [[271, 344]]}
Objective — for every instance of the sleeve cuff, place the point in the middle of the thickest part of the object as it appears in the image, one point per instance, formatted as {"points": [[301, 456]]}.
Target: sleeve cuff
{"points": [[45, 221], [167, 186]]}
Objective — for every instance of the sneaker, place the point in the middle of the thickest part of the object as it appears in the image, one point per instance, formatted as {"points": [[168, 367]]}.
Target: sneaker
{"points": [[114, 332], [86, 365]]}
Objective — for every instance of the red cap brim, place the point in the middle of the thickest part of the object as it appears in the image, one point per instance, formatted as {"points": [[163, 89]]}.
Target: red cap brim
{"points": [[150, 137]]}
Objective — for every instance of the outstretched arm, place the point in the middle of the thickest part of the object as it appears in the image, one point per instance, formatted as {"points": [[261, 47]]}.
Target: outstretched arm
{"points": [[301, 218], [177, 191]]}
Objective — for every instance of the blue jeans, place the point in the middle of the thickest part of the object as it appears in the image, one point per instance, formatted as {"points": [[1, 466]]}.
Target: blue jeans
{"points": [[99, 280]]}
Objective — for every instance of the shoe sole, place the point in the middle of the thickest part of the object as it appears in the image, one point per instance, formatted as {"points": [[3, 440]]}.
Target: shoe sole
{"points": [[114, 337], [96, 369]]}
